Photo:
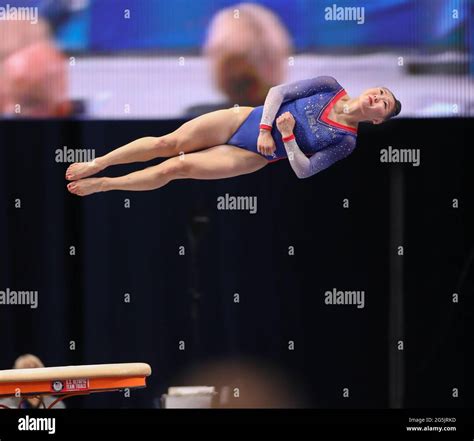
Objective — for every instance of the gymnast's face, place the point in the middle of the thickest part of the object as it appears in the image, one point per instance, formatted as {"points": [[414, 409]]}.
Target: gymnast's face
{"points": [[376, 104]]}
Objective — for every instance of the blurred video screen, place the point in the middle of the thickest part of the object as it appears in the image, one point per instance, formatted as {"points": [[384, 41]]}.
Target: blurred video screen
{"points": [[161, 59]]}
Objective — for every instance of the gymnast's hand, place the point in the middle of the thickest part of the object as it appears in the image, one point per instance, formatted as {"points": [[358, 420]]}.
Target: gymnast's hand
{"points": [[285, 123], [265, 143]]}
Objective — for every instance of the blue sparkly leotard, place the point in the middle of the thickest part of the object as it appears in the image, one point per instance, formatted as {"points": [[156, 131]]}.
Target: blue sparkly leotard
{"points": [[309, 101]]}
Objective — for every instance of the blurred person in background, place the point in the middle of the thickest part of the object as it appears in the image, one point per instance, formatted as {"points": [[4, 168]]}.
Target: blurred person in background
{"points": [[248, 49], [30, 361], [33, 69], [16, 34], [36, 82]]}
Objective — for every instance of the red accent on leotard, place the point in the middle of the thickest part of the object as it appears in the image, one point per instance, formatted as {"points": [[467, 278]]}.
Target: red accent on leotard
{"points": [[324, 116]]}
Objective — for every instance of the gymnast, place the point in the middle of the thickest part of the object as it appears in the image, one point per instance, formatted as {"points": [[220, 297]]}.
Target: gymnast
{"points": [[316, 125]]}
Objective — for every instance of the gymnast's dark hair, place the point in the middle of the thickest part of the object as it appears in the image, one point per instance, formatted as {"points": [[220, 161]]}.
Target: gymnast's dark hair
{"points": [[397, 108]]}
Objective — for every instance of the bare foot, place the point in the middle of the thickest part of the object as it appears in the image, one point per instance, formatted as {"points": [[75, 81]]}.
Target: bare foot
{"points": [[85, 187], [80, 170]]}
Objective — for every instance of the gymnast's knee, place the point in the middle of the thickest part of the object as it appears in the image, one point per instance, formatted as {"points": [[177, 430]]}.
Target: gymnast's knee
{"points": [[165, 145], [177, 169]]}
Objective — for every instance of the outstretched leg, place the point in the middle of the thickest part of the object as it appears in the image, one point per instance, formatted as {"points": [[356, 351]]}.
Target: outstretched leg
{"points": [[140, 150], [210, 129], [223, 161]]}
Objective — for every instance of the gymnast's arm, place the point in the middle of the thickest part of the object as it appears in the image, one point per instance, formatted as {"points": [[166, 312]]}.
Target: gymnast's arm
{"points": [[291, 91], [305, 167]]}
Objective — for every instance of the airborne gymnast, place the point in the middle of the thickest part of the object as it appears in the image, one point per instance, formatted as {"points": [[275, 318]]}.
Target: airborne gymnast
{"points": [[312, 123]]}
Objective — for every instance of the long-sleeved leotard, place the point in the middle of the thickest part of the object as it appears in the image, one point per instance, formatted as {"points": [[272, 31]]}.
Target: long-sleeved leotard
{"points": [[309, 101]]}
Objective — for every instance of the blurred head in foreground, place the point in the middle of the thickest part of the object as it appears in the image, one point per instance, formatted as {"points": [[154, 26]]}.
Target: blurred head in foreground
{"points": [[248, 47], [246, 384]]}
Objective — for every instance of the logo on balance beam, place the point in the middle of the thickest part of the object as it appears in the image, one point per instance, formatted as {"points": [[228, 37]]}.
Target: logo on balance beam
{"points": [[77, 384]]}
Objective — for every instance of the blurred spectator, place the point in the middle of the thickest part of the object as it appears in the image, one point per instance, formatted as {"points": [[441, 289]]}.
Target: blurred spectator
{"points": [[248, 49], [16, 34], [34, 72], [35, 82], [30, 361]]}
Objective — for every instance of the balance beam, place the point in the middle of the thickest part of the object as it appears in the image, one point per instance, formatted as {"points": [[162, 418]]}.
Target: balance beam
{"points": [[66, 381]]}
